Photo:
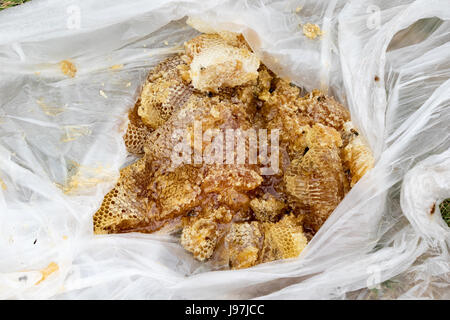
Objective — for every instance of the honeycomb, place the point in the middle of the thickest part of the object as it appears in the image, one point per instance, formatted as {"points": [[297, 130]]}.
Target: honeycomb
{"points": [[137, 133], [214, 63], [283, 239], [315, 180], [163, 92], [231, 214], [122, 207], [68, 68], [356, 154], [243, 244], [268, 208], [200, 238]]}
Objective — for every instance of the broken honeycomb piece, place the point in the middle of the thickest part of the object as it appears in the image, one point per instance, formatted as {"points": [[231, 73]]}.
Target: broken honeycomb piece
{"points": [[264, 83], [161, 142], [315, 181], [243, 243], [215, 64], [286, 110], [239, 177], [203, 228], [322, 136], [235, 200], [211, 112], [122, 207], [200, 238], [165, 68], [232, 38], [164, 92], [176, 192], [147, 201], [281, 112], [137, 133], [283, 239], [267, 210], [320, 108], [357, 156]]}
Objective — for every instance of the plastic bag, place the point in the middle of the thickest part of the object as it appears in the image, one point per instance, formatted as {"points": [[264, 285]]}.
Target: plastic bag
{"points": [[61, 146]]}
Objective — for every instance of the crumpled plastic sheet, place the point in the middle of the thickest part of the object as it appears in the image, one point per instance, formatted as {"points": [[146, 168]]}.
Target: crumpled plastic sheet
{"points": [[61, 146]]}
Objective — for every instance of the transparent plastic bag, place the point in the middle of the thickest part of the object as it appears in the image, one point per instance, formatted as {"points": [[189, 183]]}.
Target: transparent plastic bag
{"points": [[61, 146]]}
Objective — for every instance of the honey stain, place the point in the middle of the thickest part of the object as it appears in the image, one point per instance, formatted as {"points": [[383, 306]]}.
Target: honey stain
{"points": [[49, 110], [2, 184], [51, 268], [116, 67], [74, 132], [84, 178]]}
